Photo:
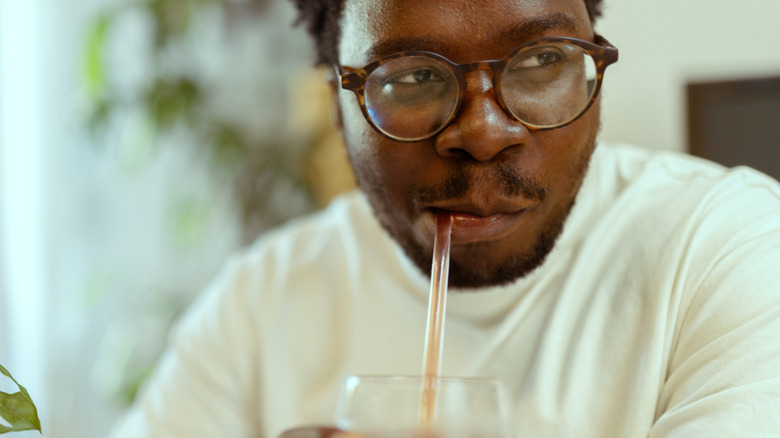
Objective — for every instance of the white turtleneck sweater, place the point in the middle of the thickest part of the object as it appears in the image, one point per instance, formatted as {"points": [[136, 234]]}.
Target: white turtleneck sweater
{"points": [[656, 315]]}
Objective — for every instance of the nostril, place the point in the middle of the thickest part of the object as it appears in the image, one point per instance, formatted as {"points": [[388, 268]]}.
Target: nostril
{"points": [[459, 153]]}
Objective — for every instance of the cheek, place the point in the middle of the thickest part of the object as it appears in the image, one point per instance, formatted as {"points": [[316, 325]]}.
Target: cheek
{"points": [[355, 129], [374, 158], [580, 136], [568, 152], [362, 143]]}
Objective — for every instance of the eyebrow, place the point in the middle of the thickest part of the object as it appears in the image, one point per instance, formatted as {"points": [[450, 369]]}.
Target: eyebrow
{"points": [[523, 32]]}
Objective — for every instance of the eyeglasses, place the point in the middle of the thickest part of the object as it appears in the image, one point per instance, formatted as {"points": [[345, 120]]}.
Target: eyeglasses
{"points": [[544, 84]]}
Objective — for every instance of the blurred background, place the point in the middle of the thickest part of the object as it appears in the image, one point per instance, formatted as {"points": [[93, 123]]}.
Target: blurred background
{"points": [[143, 141]]}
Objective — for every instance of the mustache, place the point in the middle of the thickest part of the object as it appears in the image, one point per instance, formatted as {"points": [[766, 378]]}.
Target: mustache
{"points": [[505, 179]]}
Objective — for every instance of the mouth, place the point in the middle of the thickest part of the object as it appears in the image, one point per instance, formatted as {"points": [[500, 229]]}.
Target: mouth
{"points": [[472, 225]]}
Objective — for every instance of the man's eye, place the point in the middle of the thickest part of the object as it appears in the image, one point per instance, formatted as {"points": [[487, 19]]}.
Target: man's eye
{"points": [[417, 77], [540, 59]]}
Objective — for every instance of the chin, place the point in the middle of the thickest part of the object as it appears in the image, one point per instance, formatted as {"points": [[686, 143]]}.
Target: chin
{"points": [[470, 275]]}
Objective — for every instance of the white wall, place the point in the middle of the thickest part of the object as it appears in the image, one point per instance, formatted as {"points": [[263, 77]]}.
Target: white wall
{"points": [[100, 241], [666, 43], [22, 166]]}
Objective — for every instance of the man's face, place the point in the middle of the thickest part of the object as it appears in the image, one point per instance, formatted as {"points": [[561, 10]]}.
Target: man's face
{"points": [[508, 189]]}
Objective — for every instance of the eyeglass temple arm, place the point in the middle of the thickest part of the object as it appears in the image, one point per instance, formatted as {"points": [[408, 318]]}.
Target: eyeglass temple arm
{"points": [[349, 78], [610, 52], [342, 71]]}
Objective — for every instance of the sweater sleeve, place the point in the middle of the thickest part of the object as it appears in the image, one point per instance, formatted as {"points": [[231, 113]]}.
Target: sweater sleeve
{"points": [[201, 387], [723, 374]]}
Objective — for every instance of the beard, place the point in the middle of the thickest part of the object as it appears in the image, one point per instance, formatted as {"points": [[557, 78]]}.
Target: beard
{"points": [[464, 272]]}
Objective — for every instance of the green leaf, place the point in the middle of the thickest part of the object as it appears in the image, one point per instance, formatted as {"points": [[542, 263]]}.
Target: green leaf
{"points": [[18, 409], [172, 100], [94, 67], [230, 147], [171, 19]]}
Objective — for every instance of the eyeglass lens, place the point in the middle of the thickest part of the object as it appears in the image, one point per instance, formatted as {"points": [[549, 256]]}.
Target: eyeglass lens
{"points": [[412, 97]]}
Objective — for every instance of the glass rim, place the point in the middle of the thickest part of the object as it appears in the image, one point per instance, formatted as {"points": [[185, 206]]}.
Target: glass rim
{"points": [[420, 378]]}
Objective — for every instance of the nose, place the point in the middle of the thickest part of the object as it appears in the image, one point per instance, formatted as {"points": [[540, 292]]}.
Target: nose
{"points": [[482, 130]]}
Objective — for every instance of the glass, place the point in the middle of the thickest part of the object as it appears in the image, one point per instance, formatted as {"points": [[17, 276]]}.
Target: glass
{"points": [[544, 84], [391, 407]]}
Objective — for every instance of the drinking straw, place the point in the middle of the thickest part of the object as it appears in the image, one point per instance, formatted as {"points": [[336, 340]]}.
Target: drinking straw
{"points": [[434, 332]]}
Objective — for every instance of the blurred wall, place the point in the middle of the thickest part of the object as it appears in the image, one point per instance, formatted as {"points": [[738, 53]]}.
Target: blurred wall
{"points": [[666, 43]]}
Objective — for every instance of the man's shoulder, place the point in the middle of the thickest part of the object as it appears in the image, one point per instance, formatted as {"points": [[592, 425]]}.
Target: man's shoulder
{"points": [[346, 216], [670, 173], [647, 196], [675, 194], [347, 208], [630, 162], [308, 254]]}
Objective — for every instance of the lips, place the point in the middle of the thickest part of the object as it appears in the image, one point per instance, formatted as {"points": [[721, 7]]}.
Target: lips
{"points": [[472, 223]]}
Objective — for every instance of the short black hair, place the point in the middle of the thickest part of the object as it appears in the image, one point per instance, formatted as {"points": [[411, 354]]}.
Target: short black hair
{"points": [[321, 18]]}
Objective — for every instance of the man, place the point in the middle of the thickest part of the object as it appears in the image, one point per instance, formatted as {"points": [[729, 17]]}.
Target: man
{"points": [[614, 292]]}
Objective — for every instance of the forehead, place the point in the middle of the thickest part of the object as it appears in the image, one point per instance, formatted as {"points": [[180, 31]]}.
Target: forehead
{"points": [[461, 30]]}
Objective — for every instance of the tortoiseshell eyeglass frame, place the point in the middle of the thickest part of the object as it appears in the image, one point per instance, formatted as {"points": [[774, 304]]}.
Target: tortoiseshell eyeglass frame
{"points": [[602, 52]]}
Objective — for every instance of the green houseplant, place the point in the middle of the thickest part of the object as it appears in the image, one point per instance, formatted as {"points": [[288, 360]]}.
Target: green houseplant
{"points": [[212, 79], [174, 95], [18, 409]]}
